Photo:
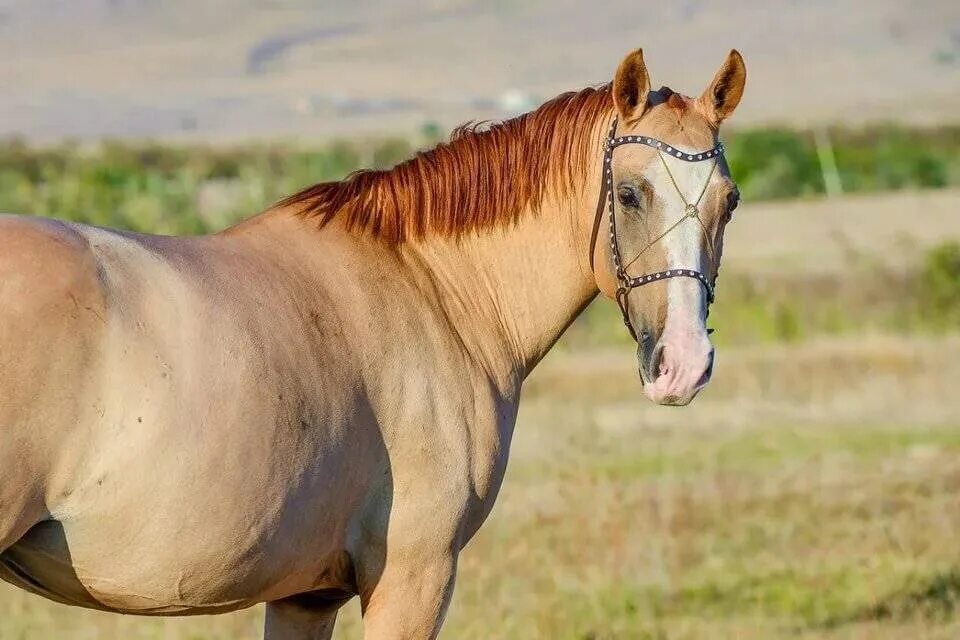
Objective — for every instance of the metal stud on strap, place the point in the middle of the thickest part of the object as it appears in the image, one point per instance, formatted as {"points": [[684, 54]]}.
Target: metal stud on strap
{"points": [[696, 156]]}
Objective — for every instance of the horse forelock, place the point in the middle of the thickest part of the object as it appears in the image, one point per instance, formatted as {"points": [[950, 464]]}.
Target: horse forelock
{"points": [[484, 177]]}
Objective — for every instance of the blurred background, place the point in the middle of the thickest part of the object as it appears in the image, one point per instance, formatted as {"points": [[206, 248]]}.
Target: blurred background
{"points": [[812, 491]]}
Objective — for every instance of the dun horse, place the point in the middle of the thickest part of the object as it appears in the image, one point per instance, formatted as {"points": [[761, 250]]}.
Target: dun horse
{"points": [[318, 403]]}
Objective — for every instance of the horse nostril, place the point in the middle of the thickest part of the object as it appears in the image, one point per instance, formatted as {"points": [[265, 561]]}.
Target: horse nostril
{"points": [[659, 363], [708, 372]]}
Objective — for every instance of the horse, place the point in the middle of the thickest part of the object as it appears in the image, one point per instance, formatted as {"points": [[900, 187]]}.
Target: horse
{"points": [[317, 403]]}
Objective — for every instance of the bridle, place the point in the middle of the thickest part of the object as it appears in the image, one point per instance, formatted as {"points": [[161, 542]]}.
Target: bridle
{"points": [[625, 283]]}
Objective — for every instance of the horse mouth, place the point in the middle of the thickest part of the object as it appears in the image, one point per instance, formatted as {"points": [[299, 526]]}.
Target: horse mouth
{"points": [[671, 381]]}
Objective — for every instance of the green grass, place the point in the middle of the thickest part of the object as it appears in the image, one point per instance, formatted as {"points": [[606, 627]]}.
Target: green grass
{"points": [[158, 188], [782, 163]]}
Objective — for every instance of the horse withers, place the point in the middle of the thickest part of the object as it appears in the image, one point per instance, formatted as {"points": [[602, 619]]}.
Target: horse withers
{"points": [[318, 402]]}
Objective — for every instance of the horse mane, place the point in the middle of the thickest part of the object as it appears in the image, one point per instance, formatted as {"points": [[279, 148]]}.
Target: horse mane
{"points": [[483, 177]]}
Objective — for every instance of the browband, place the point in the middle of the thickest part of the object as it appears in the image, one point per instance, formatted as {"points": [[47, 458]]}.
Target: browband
{"points": [[667, 149]]}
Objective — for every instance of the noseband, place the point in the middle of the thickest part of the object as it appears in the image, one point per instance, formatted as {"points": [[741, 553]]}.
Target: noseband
{"points": [[625, 283]]}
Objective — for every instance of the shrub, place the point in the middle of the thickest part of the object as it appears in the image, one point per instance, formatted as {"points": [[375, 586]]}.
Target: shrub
{"points": [[940, 286], [146, 186]]}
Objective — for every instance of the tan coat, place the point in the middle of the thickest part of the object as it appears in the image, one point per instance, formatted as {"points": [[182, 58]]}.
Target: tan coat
{"points": [[283, 413]]}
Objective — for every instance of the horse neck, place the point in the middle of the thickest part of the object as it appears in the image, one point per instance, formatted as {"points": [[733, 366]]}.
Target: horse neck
{"points": [[511, 292]]}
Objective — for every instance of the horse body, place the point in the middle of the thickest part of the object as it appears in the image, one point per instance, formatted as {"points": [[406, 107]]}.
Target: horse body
{"points": [[197, 400], [296, 415], [223, 458]]}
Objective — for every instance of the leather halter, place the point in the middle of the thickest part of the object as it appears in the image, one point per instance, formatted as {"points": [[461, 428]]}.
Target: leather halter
{"points": [[625, 283]]}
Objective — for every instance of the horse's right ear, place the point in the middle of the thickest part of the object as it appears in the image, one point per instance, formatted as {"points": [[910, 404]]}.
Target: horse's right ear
{"points": [[631, 86], [724, 93]]}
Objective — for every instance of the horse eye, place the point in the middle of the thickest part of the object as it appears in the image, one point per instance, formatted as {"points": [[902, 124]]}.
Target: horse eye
{"points": [[628, 197], [733, 199]]}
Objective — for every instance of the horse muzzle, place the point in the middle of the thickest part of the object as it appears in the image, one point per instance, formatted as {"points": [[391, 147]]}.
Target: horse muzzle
{"points": [[676, 368]]}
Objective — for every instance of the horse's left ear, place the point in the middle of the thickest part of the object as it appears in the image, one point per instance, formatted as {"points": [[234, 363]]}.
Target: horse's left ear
{"points": [[631, 86], [724, 93]]}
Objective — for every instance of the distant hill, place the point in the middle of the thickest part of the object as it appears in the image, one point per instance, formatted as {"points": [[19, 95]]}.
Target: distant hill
{"points": [[219, 69]]}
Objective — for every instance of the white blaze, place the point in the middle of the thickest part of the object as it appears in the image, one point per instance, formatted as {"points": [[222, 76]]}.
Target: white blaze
{"points": [[683, 246]]}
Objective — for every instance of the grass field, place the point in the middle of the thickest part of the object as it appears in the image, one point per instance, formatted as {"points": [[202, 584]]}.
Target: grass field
{"points": [[158, 188], [813, 492]]}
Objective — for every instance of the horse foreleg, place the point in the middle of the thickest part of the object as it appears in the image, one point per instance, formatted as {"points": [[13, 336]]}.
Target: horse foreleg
{"points": [[409, 600], [304, 617]]}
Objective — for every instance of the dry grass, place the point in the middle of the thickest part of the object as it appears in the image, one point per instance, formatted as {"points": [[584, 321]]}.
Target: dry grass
{"points": [[813, 492], [825, 236]]}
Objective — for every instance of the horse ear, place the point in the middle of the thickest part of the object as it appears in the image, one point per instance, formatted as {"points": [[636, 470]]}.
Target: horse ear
{"points": [[631, 86], [724, 93]]}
